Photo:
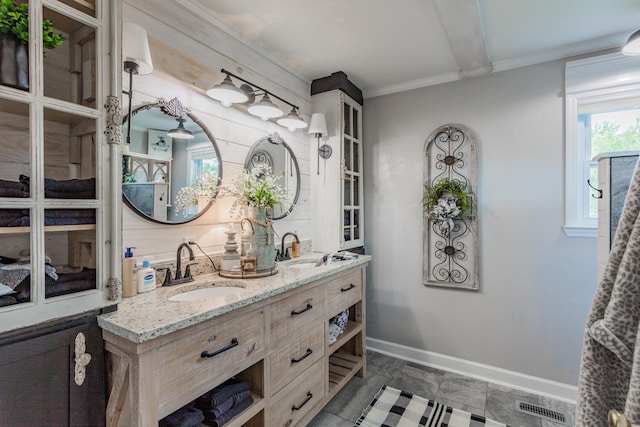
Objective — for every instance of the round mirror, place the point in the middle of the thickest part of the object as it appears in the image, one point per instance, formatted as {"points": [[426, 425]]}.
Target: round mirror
{"points": [[171, 168], [274, 151]]}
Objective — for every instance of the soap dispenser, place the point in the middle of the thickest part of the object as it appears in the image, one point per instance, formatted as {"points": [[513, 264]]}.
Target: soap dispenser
{"points": [[129, 274]]}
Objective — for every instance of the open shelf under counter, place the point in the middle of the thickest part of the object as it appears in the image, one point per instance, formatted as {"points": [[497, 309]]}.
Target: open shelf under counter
{"points": [[342, 367], [353, 328], [244, 417]]}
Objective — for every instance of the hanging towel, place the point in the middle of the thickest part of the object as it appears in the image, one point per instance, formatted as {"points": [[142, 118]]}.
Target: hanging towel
{"points": [[610, 366]]}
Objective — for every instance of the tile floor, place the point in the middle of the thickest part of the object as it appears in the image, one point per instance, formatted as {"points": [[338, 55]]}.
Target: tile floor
{"points": [[479, 397]]}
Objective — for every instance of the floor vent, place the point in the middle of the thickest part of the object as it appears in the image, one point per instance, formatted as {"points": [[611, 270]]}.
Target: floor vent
{"points": [[539, 411]]}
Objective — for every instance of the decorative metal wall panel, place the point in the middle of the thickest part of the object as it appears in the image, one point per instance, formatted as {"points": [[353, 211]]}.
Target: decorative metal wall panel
{"points": [[450, 235]]}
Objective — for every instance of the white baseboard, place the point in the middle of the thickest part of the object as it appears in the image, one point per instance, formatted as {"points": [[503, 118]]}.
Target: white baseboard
{"points": [[540, 386]]}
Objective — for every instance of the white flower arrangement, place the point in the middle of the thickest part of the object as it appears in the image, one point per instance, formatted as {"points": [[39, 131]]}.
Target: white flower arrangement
{"points": [[445, 202], [204, 185], [257, 187]]}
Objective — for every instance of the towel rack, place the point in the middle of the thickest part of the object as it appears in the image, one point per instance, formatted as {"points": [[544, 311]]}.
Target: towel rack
{"points": [[617, 419]]}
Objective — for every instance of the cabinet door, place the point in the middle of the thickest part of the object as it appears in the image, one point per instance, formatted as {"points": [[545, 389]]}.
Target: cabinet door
{"points": [[352, 203], [39, 381]]}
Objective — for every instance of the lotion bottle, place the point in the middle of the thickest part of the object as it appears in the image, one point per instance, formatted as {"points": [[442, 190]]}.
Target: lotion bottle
{"points": [[295, 247], [146, 277], [129, 274]]}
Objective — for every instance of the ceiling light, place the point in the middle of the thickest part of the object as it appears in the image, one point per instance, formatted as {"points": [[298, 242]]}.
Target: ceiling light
{"points": [[292, 121], [227, 93], [632, 47], [180, 132], [265, 109]]}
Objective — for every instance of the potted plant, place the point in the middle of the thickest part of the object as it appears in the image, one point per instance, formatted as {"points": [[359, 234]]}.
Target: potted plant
{"points": [[14, 42]]}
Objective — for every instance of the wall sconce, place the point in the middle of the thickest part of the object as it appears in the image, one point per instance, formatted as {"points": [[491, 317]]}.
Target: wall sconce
{"points": [[228, 94], [180, 132], [632, 46], [136, 58], [318, 127]]}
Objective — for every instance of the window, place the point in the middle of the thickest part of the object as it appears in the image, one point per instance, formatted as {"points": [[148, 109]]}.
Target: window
{"points": [[602, 101]]}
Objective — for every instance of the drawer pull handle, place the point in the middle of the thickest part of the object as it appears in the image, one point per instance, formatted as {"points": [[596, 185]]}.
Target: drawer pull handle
{"points": [[234, 343], [351, 286], [297, 408], [307, 354], [307, 308]]}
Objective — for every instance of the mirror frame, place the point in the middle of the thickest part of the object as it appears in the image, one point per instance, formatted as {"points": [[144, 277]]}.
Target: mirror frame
{"points": [[276, 139], [175, 109]]}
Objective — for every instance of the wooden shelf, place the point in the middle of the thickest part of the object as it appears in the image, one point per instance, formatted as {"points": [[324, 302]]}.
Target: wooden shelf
{"points": [[342, 367], [48, 228], [242, 418], [353, 328]]}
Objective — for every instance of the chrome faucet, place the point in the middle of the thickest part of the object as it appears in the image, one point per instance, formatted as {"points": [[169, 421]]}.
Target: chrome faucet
{"points": [[283, 253], [168, 281]]}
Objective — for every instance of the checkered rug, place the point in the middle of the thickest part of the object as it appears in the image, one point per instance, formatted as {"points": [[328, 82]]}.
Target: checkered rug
{"points": [[395, 408]]}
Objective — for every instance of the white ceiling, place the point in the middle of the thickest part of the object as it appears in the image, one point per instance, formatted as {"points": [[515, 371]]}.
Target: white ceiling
{"points": [[386, 46]]}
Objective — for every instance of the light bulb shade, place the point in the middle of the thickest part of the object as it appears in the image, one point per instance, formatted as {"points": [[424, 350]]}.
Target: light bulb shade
{"points": [[135, 47], [180, 132], [632, 47], [227, 93], [292, 121], [318, 125], [265, 109]]}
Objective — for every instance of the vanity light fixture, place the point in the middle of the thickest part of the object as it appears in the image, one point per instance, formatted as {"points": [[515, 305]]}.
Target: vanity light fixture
{"points": [[265, 108], [292, 121], [318, 127], [632, 46], [180, 132], [136, 57], [228, 94]]}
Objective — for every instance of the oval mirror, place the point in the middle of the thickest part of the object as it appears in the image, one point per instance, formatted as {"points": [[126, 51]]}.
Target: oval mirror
{"points": [[171, 169], [274, 151]]}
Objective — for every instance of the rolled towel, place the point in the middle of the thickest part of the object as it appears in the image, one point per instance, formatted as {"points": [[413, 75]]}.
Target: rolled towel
{"points": [[183, 417], [224, 418], [220, 394]]}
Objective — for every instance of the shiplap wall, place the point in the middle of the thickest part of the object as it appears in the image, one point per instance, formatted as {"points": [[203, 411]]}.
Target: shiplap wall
{"points": [[235, 132]]}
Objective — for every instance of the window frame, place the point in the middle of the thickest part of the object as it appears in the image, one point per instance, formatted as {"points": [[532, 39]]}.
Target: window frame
{"points": [[597, 80]]}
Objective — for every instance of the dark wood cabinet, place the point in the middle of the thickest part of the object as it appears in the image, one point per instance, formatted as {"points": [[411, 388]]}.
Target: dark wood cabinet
{"points": [[40, 372]]}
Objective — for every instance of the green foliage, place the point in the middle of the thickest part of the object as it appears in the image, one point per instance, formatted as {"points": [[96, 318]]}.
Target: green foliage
{"points": [[455, 188], [14, 19], [607, 137]]}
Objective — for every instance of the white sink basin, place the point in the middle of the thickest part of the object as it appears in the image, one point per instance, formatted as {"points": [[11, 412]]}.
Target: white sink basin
{"points": [[206, 293], [303, 265]]}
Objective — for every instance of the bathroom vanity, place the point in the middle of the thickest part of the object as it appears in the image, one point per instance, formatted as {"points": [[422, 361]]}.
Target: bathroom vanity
{"points": [[273, 332]]}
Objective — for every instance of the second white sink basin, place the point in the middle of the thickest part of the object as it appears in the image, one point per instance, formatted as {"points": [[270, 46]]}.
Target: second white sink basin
{"points": [[206, 293]]}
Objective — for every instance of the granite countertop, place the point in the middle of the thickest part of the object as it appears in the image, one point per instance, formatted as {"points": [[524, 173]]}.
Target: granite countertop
{"points": [[151, 315]]}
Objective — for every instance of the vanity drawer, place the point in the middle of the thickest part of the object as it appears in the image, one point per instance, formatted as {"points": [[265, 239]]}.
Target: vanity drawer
{"points": [[294, 357], [344, 291], [299, 397], [215, 351], [295, 312]]}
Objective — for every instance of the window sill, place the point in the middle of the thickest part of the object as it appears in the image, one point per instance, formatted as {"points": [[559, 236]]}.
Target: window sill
{"points": [[580, 231]]}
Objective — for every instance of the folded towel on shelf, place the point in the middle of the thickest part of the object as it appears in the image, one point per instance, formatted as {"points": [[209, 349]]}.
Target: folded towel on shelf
{"points": [[337, 325], [13, 192], [220, 394], [227, 405], [224, 418], [66, 283], [7, 300], [183, 417], [69, 189]]}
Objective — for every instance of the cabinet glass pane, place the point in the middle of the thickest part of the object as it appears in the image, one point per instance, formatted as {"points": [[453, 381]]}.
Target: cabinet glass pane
{"points": [[347, 225], [85, 6], [15, 266], [346, 191], [347, 119], [356, 193], [70, 241], [70, 156], [355, 124], [70, 68], [356, 224], [346, 154], [356, 156], [16, 152]]}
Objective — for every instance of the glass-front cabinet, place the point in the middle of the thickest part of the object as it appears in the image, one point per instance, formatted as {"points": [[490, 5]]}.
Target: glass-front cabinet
{"points": [[337, 187], [59, 240], [351, 173]]}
